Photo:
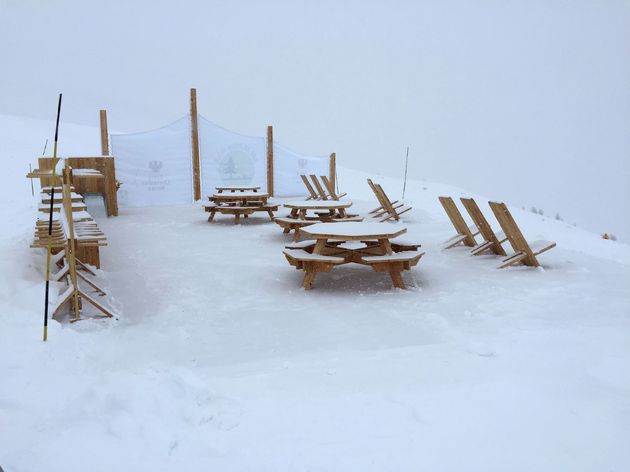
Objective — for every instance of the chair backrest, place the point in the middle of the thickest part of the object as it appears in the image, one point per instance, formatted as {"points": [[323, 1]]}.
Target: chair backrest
{"points": [[310, 189], [329, 187], [387, 203], [482, 224], [318, 186], [376, 193], [513, 233], [458, 220]]}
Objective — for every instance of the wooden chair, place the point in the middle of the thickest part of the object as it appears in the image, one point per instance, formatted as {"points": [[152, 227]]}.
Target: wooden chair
{"points": [[491, 241], [390, 210], [320, 190], [331, 188], [523, 251], [311, 190], [465, 234]]}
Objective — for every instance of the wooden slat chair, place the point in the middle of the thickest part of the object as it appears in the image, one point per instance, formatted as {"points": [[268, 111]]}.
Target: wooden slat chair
{"points": [[523, 251], [491, 241], [465, 234], [331, 188], [393, 211], [320, 189], [379, 211], [313, 194]]}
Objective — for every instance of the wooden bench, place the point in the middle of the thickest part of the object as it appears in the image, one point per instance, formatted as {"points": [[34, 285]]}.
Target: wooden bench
{"points": [[525, 252], [465, 234], [311, 264], [491, 241], [394, 264], [293, 224], [388, 209], [237, 211]]}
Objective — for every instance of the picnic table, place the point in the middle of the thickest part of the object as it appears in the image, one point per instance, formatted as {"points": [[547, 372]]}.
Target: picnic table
{"points": [[237, 189], [373, 244], [239, 203], [324, 211]]}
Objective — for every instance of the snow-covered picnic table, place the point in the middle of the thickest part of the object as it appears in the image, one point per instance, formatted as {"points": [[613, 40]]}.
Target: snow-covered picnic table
{"points": [[368, 243], [237, 189], [239, 203], [330, 211]]}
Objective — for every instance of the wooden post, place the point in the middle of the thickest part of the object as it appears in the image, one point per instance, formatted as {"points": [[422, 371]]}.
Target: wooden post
{"points": [[332, 171], [270, 160], [104, 135], [195, 145]]}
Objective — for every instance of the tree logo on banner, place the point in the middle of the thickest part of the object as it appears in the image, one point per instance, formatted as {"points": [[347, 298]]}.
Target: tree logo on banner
{"points": [[236, 164]]}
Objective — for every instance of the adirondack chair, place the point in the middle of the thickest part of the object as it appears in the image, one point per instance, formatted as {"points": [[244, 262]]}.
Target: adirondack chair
{"points": [[393, 211], [311, 190], [523, 251], [319, 188], [465, 234], [491, 241], [331, 188], [388, 209]]}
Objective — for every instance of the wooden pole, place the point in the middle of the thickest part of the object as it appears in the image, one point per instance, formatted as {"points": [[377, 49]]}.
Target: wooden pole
{"points": [[332, 171], [195, 145], [104, 134], [270, 160]]}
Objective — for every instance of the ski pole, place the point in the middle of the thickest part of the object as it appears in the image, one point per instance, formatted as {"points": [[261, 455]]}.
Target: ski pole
{"points": [[50, 220]]}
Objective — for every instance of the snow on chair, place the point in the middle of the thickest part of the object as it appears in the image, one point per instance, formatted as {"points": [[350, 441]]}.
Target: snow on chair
{"points": [[523, 251], [465, 234], [491, 241]]}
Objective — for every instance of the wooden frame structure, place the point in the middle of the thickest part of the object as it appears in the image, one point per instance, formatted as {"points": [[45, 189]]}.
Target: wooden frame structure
{"points": [[525, 253], [387, 209], [106, 185], [491, 241], [465, 234]]}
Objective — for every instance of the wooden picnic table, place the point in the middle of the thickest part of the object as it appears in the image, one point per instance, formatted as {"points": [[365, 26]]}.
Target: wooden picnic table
{"points": [[325, 211], [239, 203], [365, 243], [241, 198], [300, 208], [237, 189]]}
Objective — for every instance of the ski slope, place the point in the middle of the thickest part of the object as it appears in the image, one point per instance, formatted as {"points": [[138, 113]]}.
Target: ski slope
{"points": [[218, 360]]}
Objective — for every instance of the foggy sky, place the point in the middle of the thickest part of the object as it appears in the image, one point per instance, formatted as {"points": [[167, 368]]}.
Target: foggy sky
{"points": [[526, 102]]}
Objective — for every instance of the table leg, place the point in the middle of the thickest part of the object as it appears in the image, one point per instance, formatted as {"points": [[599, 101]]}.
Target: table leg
{"points": [[319, 246], [385, 246], [397, 279], [342, 213], [294, 213], [237, 218], [303, 214]]}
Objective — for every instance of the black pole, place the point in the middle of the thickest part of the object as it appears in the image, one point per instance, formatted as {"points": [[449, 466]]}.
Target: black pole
{"points": [[50, 220]]}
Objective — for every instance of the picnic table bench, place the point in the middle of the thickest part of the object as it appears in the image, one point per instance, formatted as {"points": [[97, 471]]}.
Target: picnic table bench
{"points": [[371, 244], [237, 189]]}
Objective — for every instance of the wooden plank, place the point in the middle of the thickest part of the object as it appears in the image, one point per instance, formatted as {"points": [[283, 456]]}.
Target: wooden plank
{"points": [[332, 170], [104, 134], [270, 160], [513, 233], [484, 227], [195, 145], [318, 186], [458, 221]]}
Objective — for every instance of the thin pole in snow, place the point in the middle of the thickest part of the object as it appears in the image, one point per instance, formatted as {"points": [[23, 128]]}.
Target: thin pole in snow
{"points": [[405, 181], [50, 220]]}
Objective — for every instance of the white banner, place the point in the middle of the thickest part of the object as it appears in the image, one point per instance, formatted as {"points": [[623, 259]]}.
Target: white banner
{"points": [[155, 167], [288, 165], [229, 158]]}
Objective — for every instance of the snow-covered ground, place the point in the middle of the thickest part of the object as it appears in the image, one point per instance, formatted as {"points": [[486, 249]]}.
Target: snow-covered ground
{"points": [[219, 360]]}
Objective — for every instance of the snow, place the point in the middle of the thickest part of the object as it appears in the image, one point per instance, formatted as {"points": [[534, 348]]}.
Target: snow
{"points": [[367, 229], [219, 360]]}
